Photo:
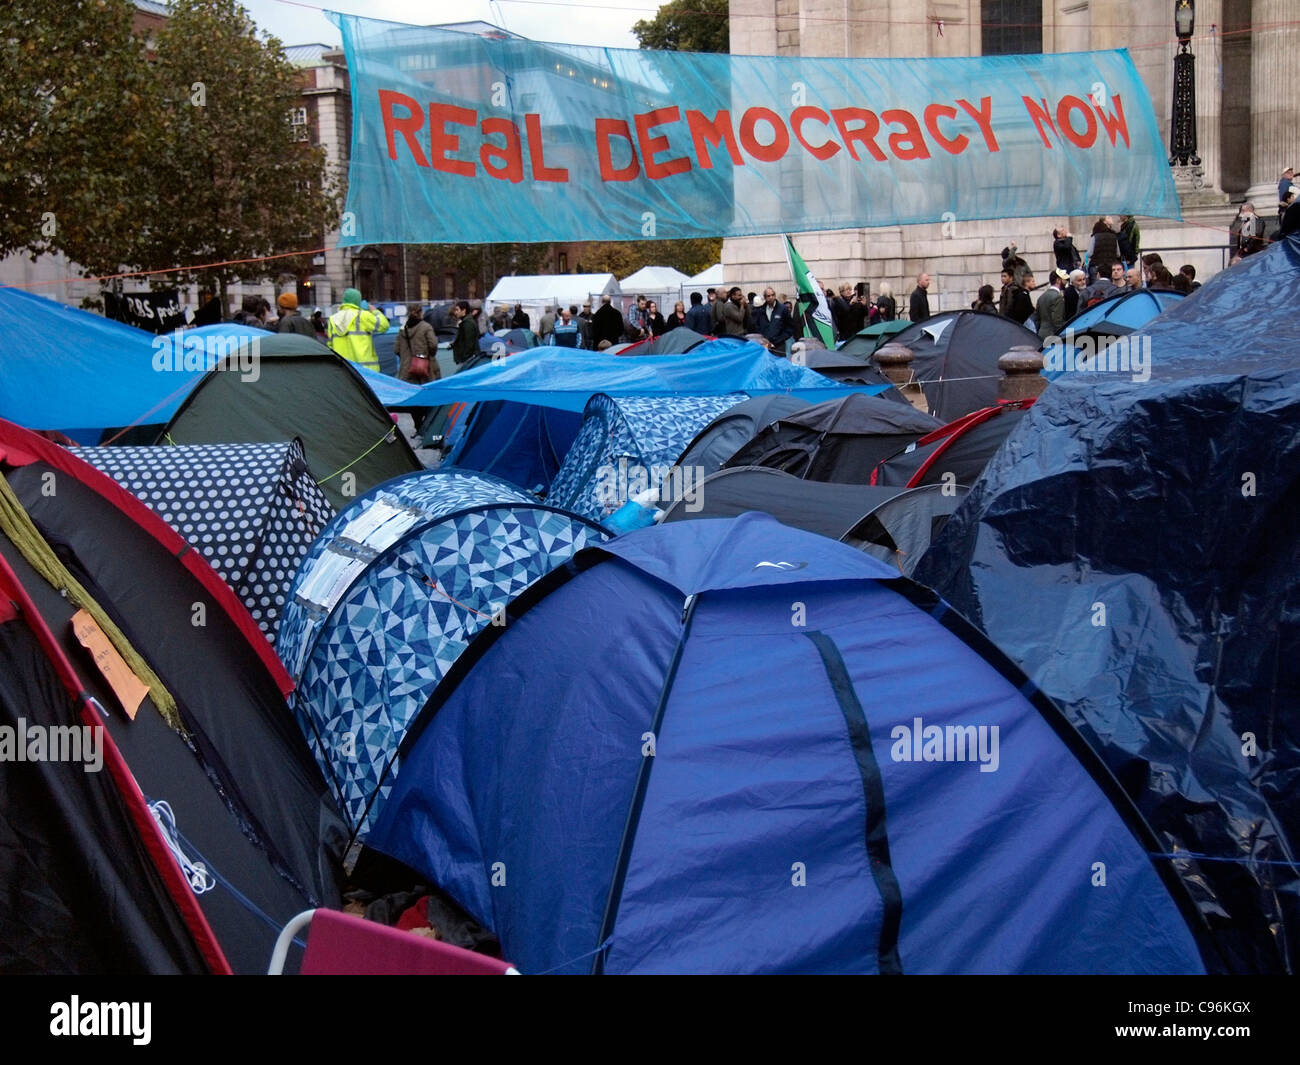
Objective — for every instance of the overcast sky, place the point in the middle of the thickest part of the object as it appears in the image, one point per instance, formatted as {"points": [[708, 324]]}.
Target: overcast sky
{"points": [[604, 23]]}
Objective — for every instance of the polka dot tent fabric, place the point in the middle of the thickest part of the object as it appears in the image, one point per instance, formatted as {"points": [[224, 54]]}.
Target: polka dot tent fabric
{"points": [[625, 439], [251, 510], [389, 597]]}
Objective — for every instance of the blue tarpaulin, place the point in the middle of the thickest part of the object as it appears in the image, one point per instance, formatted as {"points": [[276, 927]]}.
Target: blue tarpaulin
{"points": [[566, 378], [1135, 547], [548, 142]]}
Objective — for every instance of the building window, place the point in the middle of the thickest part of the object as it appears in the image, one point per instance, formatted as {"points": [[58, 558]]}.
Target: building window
{"points": [[563, 263], [449, 286], [1012, 27], [298, 123]]}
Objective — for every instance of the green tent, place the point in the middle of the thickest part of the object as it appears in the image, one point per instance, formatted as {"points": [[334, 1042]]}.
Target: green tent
{"points": [[868, 340], [297, 387]]}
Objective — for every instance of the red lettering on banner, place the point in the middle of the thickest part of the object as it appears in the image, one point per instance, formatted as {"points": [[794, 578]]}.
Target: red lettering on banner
{"points": [[408, 127], [764, 153], [718, 131], [652, 146], [1115, 123], [441, 143], [933, 113], [1038, 112], [864, 134], [802, 114], [614, 127], [511, 155], [1064, 109], [911, 135], [536, 152], [984, 119]]}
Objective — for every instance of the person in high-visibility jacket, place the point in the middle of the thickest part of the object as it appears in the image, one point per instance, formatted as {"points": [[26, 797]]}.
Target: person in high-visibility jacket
{"points": [[351, 330]]}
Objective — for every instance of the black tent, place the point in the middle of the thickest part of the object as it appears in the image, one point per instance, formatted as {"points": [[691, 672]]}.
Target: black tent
{"points": [[734, 428], [955, 358], [894, 524], [210, 768], [955, 454], [841, 440], [300, 389]]}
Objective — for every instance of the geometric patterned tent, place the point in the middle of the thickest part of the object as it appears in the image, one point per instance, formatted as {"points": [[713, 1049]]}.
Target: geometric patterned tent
{"points": [[388, 598], [251, 510], [626, 441]]}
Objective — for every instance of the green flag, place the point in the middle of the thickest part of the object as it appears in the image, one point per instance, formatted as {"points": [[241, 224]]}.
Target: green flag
{"points": [[812, 309]]}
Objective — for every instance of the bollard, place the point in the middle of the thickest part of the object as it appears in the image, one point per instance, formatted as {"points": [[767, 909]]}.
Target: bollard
{"points": [[1022, 376], [895, 362]]}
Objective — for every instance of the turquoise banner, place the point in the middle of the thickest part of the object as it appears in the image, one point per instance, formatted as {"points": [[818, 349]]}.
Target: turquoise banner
{"points": [[459, 137]]}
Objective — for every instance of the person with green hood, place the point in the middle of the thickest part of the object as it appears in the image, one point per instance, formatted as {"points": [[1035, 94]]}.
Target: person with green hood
{"points": [[352, 328]]}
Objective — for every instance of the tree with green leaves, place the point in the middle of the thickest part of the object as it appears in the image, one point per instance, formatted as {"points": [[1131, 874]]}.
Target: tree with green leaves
{"points": [[624, 257], [78, 130], [687, 26], [232, 182], [485, 263]]}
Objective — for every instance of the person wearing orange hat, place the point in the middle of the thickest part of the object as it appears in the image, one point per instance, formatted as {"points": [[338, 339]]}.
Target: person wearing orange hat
{"points": [[290, 320]]}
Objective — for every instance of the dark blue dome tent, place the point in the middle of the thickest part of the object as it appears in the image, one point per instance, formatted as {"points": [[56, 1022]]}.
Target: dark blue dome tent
{"points": [[757, 750], [388, 597], [1135, 547]]}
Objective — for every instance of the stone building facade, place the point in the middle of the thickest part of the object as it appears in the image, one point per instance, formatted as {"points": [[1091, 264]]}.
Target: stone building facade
{"points": [[1248, 125]]}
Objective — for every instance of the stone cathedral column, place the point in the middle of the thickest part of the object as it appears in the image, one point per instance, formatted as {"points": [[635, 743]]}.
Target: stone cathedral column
{"points": [[1275, 99]]}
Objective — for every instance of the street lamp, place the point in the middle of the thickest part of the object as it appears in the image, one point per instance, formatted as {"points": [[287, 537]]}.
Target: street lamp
{"points": [[1183, 117]]}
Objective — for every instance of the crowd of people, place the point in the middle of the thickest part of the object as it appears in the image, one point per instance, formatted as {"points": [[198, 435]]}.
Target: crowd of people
{"points": [[1111, 264]]}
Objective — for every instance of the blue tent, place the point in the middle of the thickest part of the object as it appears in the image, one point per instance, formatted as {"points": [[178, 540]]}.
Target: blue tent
{"points": [[626, 445], [522, 443], [745, 748], [1135, 547], [1122, 314], [389, 596]]}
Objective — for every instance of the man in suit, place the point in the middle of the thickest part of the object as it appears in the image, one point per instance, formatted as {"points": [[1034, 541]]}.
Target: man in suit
{"points": [[773, 320]]}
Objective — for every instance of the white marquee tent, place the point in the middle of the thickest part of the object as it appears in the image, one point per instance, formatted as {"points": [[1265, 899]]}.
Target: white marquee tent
{"points": [[537, 293]]}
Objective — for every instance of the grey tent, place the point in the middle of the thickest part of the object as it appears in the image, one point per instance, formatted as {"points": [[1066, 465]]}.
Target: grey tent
{"points": [[955, 358], [841, 440], [895, 525], [733, 429], [847, 367], [301, 389], [251, 510]]}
